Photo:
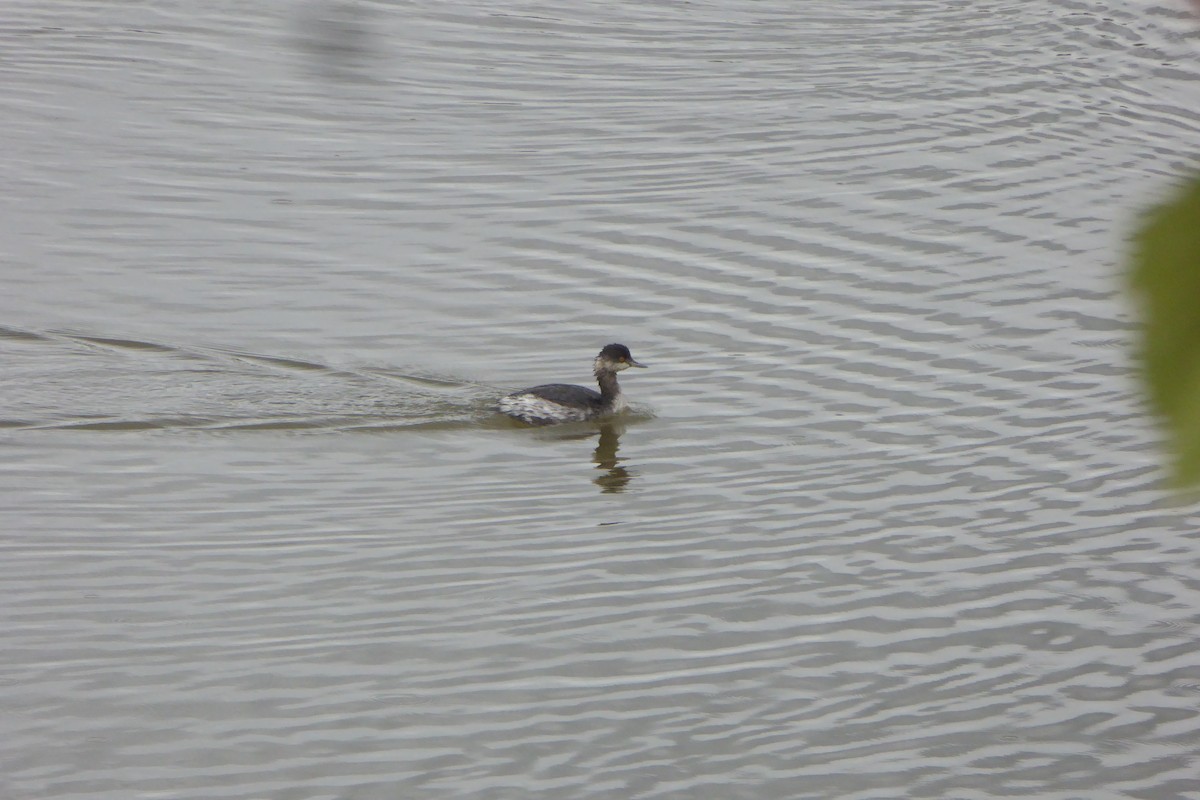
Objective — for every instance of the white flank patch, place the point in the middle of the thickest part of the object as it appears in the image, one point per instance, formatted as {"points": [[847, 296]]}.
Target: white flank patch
{"points": [[538, 410]]}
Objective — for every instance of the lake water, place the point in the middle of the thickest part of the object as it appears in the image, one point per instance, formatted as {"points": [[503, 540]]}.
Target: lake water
{"points": [[888, 518]]}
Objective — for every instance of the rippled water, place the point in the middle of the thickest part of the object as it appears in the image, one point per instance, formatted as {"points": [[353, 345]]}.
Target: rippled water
{"points": [[888, 518]]}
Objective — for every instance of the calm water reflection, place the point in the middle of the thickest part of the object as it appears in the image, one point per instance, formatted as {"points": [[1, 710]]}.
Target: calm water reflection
{"points": [[889, 523], [614, 477]]}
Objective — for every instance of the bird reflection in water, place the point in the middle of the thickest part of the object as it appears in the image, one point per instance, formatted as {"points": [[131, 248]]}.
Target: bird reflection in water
{"points": [[613, 477]]}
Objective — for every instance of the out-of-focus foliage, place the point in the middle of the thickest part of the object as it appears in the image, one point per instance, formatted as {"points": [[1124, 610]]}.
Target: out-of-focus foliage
{"points": [[1166, 278]]}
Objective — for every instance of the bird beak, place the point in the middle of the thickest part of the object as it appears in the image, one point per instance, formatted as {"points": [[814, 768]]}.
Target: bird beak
{"points": [[633, 363]]}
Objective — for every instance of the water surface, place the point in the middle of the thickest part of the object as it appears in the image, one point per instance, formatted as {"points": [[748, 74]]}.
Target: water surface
{"points": [[888, 520]]}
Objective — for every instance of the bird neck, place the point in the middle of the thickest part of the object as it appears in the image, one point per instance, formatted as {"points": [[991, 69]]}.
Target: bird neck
{"points": [[609, 388]]}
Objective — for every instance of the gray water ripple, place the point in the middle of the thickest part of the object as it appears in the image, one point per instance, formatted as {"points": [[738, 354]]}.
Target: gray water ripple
{"points": [[889, 524]]}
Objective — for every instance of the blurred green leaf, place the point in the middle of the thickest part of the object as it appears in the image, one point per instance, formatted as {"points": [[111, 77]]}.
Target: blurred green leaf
{"points": [[1166, 276]]}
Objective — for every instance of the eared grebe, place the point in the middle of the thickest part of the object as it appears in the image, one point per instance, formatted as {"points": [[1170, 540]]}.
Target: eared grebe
{"points": [[562, 402]]}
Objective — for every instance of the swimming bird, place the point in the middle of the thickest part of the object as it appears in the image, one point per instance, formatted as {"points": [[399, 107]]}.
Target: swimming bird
{"points": [[562, 402]]}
